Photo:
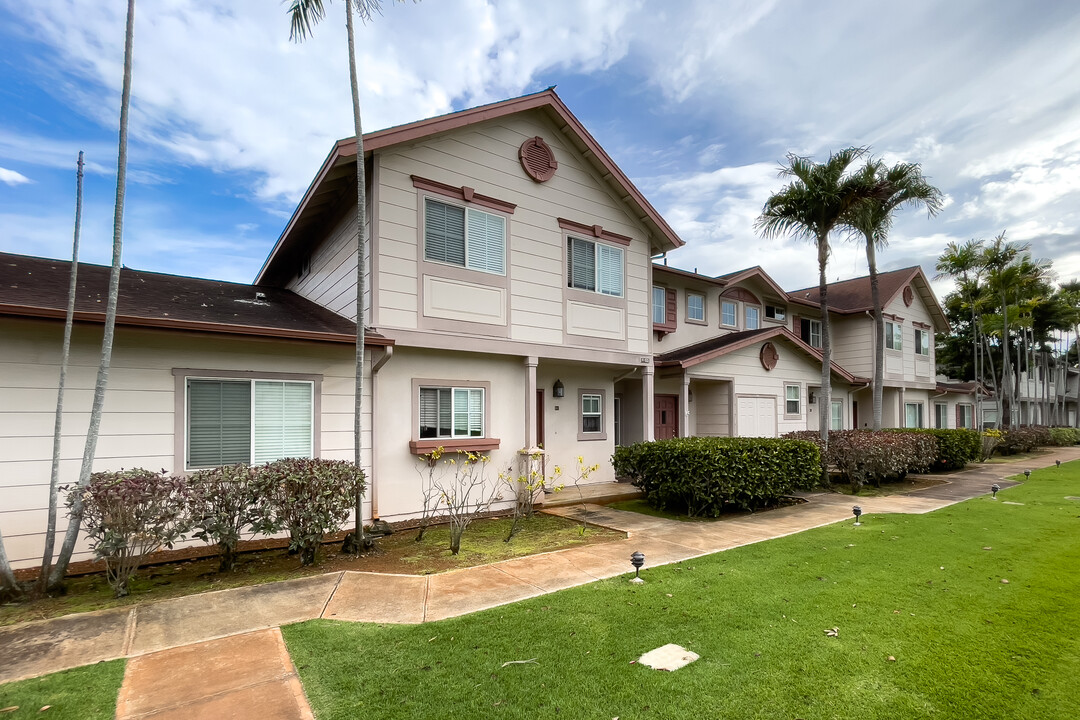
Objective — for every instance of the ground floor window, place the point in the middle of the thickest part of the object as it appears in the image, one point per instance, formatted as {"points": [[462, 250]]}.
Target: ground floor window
{"points": [[247, 421], [913, 415], [451, 412], [592, 413], [941, 416], [836, 415], [792, 400], [965, 416]]}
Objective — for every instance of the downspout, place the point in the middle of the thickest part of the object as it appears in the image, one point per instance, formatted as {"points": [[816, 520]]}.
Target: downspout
{"points": [[388, 352]]}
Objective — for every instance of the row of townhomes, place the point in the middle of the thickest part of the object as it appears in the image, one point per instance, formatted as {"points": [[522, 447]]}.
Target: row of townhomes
{"points": [[516, 300]]}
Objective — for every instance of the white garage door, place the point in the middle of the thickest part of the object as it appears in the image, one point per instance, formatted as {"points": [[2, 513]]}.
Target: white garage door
{"points": [[757, 417]]}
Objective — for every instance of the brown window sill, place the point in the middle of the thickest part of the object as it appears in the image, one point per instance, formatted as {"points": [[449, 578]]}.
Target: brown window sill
{"points": [[423, 447]]}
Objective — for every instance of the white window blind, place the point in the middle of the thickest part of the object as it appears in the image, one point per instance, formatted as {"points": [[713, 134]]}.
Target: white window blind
{"points": [[581, 264], [219, 422], [486, 249], [282, 412], [444, 232], [451, 412], [611, 270]]}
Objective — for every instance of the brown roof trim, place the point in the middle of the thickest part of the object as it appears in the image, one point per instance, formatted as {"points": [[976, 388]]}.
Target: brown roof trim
{"points": [[370, 340], [411, 132], [756, 271], [594, 230], [691, 275], [753, 340], [463, 193]]}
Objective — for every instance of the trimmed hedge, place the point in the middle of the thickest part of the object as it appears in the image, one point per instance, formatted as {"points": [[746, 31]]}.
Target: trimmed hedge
{"points": [[865, 456], [1064, 436], [1024, 439], [706, 475], [955, 448]]}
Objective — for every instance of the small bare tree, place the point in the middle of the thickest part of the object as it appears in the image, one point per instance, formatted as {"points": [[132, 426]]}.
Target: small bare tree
{"points": [[583, 473], [528, 485], [464, 490], [429, 496]]}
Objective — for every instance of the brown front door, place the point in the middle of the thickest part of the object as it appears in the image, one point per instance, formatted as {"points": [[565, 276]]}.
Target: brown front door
{"points": [[667, 416]]}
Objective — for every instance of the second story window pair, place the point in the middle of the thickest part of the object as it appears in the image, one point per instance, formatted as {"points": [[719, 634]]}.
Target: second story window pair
{"points": [[465, 237], [922, 342], [894, 336], [595, 267]]}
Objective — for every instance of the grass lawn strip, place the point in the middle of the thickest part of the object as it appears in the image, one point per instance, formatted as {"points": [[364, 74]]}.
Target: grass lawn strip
{"points": [[918, 588], [482, 544], [86, 693]]}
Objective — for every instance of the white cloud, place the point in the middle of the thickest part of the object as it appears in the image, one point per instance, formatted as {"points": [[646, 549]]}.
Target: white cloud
{"points": [[10, 177]]}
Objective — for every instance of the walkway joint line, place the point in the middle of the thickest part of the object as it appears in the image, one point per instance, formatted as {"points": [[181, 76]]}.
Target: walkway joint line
{"points": [[333, 591]]}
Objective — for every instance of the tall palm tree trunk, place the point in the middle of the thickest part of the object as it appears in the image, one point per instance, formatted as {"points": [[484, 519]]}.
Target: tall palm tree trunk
{"points": [[361, 221], [65, 353], [9, 587], [879, 331], [976, 358], [825, 402], [1006, 372], [75, 520]]}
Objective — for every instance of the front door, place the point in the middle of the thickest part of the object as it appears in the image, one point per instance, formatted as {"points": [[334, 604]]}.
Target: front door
{"points": [[667, 416]]}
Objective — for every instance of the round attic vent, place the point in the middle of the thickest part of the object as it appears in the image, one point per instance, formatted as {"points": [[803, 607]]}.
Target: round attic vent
{"points": [[537, 159], [908, 296], [769, 356]]}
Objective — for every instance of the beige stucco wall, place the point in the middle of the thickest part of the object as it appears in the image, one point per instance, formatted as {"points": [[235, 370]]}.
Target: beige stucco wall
{"points": [[399, 478], [137, 426], [484, 157]]}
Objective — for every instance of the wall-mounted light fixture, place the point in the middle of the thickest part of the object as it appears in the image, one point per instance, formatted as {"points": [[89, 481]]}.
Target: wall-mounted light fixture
{"points": [[557, 390]]}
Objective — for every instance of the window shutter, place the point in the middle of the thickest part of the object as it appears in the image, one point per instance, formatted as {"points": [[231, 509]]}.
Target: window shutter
{"points": [[487, 242], [959, 415], [444, 232], [282, 420], [672, 318], [219, 423], [611, 270]]}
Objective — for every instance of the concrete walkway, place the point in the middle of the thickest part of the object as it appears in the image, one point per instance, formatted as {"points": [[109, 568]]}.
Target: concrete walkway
{"points": [[227, 648]]}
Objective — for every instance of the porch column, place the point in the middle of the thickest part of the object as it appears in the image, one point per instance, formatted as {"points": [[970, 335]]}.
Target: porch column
{"points": [[684, 403], [530, 402], [648, 403]]}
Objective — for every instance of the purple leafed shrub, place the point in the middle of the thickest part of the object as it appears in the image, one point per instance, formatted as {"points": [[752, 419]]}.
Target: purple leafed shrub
{"points": [[1024, 439], [130, 514], [309, 498], [864, 456], [223, 502]]}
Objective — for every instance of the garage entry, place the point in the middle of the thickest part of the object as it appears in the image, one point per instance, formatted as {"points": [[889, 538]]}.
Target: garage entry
{"points": [[756, 416]]}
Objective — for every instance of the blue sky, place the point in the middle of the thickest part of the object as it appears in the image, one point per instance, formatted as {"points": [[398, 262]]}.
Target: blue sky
{"points": [[698, 101]]}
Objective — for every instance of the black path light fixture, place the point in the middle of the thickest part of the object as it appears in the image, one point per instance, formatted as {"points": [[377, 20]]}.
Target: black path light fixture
{"points": [[1027, 474], [857, 512], [994, 489], [1058, 463], [557, 390], [637, 559]]}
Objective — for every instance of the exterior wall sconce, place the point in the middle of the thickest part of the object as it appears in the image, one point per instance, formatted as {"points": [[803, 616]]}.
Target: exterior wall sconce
{"points": [[557, 390]]}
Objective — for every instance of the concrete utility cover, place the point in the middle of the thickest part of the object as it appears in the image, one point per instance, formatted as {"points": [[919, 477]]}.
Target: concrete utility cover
{"points": [[1071, 497], [1007, 502], [668, 657]]}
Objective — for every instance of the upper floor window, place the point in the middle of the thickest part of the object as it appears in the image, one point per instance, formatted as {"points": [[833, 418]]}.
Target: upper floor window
{"points": [[594, 266], [894, 336], [465, 237], [922, 342], [695, 307], [728, 311], [247, 421], [810, 331], [451, 412], [659, 305], [774, 312], [753, 317]]}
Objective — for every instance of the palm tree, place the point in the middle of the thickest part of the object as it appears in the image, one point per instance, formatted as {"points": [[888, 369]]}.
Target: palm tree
{"points": [[1001, 261], [962, 262], [304, 15], [906, 187], [75, 519], [811, 207], [65, 353], [1070, 291]]}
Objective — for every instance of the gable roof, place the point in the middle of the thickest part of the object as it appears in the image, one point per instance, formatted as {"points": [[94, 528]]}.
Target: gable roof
{"points": [[38, 287], [697, 353], [337, 174], [850, 297]]}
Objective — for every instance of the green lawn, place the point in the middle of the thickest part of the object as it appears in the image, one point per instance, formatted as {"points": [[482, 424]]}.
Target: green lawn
{"points": [[86, 693], [921, 589]]}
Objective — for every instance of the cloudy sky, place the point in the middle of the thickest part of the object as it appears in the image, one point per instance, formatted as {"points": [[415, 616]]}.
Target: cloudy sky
{"points": [[698, 102]]}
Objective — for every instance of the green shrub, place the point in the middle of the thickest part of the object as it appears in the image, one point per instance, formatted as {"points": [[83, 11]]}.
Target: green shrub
{"points": [[865, 456], [1024, 439], [705, 475], [130, 514], [1064, 436], [955, 448], [223, 502], [309, 498]]}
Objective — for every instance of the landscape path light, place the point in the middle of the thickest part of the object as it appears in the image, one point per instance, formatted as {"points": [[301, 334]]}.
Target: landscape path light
{"points": [[1027, 474], [637, 560], [1058, 462], [857, 511], [994, 489]]}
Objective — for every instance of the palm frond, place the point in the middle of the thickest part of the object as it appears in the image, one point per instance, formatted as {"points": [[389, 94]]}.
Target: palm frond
{"points": [[304, 15]]}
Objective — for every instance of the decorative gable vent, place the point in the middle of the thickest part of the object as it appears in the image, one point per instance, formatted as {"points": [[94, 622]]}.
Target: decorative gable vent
{"points": [[537, 159], [909, 296]]}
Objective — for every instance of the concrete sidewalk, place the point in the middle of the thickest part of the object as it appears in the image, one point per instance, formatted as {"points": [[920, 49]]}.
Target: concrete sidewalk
{"points": [[184, 635]]}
